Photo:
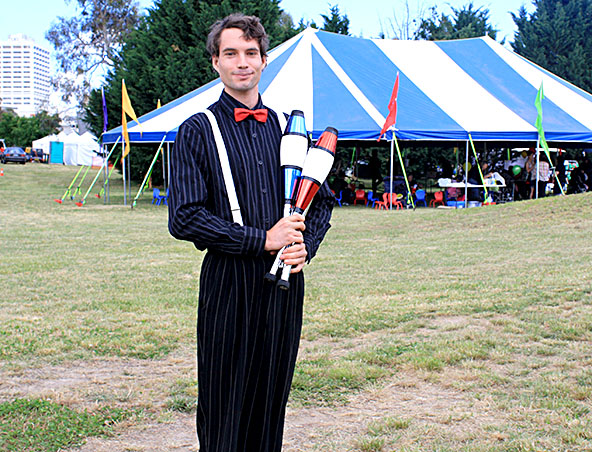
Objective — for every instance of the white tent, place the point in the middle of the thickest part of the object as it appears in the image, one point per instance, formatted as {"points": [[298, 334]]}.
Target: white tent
{"points": [[44, 143], [78, 149]]}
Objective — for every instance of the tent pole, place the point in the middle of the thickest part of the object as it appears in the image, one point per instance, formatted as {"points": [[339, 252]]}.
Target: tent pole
{"points": [[467, 174], [168, 165], [479, 167], [92, 184], [409, 196], [148, 173], [78, 191], [105, 189], [164, 182], [69, 189]]}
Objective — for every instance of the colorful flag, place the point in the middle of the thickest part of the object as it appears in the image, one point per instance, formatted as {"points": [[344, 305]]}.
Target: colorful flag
{"points": [[391, 119], [538, 103], [126, 107], [105, 121], [539, 120]]}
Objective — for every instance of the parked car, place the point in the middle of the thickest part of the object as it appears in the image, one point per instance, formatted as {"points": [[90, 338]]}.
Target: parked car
{"points": [[14, 154], [36, 155]]}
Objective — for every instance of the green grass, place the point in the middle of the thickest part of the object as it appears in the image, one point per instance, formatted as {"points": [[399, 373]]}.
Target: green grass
{"points": [[41, 425], [183, 396], [494, 303]]}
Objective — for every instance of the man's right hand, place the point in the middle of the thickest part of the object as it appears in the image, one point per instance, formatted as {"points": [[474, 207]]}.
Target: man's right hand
{"points": [[285, 232]]}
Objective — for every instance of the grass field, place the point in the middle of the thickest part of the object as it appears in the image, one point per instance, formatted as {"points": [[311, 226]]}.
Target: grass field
{"points": [[481, 318]]}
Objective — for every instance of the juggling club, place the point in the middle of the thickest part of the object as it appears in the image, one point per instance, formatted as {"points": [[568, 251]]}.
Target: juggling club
{"points": [[315, 170], [293, 149]]}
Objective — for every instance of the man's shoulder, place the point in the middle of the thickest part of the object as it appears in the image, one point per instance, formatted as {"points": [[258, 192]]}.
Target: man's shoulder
{"points": [[198, 120], [196, 123]]}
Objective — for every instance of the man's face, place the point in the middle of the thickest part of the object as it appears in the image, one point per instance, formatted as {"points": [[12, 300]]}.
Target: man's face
{"points": [[239, 63]]}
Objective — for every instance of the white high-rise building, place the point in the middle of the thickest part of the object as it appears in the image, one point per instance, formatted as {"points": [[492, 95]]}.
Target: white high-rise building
{"points": [[24, 75]]}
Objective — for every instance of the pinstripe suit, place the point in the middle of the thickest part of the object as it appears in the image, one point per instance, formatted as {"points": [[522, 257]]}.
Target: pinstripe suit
{"points": [[248, 330]]}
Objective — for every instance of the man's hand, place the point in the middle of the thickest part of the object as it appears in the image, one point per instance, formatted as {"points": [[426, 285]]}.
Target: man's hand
{"points": [[295, 256], [285, 232]]}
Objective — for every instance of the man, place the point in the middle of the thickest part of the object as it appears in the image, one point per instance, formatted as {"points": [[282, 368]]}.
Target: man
{"points": [[247, 329], [544, 169], [375, 173]]}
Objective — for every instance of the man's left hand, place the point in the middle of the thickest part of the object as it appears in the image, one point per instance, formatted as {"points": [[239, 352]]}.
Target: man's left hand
{"points": [[295, 256]]}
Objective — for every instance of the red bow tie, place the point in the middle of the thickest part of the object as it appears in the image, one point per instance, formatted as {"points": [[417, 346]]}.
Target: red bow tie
{"points": [[242, 113]]}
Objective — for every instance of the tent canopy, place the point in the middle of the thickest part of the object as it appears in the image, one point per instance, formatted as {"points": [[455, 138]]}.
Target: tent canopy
{"points": [[448, 90], [77, 150]]}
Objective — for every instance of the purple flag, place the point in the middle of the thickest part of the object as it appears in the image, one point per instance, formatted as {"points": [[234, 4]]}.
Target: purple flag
{"points": [[105, 122]]}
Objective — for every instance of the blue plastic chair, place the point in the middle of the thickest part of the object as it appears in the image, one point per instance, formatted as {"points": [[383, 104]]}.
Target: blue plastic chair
{"points": [[371, 199], [157, 198], [338, 199], [420, 196]]}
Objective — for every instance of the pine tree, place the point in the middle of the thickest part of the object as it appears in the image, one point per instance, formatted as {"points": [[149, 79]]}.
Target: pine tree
{"points": [[465, 23], [556, 36], [166, 57], [335, 22]]}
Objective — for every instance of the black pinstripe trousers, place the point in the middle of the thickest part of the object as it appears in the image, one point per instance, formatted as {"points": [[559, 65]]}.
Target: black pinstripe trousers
{"points": [[248, 333]]}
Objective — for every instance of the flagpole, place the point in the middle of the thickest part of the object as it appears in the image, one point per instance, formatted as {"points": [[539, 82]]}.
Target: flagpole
{"points": [[392, 158], [390, 123], [129, 178], [105, 169], [123, 159], [536, 188]]}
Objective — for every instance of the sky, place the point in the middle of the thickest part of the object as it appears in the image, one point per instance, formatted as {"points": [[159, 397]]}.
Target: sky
{"points": [[367, 17], [34, 17]]}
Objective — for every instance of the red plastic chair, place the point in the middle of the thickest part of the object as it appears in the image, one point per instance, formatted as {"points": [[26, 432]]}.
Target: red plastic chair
{"points": [[397, 204], [360, 197], [438, 199], [380, 205], [386, 202]]}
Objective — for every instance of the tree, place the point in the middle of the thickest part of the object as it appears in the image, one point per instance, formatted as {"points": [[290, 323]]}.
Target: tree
{"points": [[465, 23], [165, 58], [403, 28], [90, 42], [556, 36], [335, 22], [22, 131]]}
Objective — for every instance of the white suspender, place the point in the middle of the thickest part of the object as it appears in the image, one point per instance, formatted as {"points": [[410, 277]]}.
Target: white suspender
{"points": [[226, 173], [225, 164]]}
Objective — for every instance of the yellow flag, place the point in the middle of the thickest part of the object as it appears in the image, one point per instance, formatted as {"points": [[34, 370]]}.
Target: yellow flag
{"points": [[126, 107], [158, 104]]}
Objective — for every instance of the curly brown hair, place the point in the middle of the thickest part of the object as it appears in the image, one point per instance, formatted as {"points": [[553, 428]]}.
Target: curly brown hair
{"points": [[250, 25]]}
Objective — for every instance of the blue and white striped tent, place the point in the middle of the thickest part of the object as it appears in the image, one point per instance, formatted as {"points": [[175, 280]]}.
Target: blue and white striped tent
{"points": [[448, 90]]}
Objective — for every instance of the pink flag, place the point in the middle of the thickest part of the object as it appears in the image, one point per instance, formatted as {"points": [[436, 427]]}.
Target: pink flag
{"points": [[392, 106]]}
